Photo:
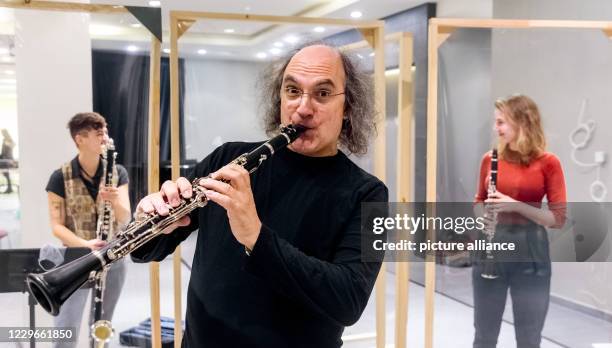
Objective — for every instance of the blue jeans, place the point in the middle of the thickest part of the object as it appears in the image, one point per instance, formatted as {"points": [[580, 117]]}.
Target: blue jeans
{"points": [[530, 293]]}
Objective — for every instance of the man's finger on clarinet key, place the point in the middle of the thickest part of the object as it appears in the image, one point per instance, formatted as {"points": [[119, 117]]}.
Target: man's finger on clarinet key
{"points": [[219, 198], [170, 190], [238, 175], [216, 185], [227, 173], [184, 187], [145, 206], [160, 205]]}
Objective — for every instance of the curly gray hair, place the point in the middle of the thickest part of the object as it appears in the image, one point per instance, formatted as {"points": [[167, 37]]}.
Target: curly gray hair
{"points": [[359, 110]]}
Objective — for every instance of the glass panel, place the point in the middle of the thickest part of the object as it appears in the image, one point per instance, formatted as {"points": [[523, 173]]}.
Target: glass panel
{"points": [[565, 72], [53, 65], [219, 63]]}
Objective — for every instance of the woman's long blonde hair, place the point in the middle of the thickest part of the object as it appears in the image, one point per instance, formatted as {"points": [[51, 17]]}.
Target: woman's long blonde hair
{"points": [[523, 114]]}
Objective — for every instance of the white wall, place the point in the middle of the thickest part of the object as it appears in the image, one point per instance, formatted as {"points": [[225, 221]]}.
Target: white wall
{"points": [[558, 69], [53, 64], [221, 104]]}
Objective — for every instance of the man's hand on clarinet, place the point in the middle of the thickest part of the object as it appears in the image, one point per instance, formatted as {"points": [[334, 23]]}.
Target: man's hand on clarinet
{"points": [[236, 196], [168, 196]]}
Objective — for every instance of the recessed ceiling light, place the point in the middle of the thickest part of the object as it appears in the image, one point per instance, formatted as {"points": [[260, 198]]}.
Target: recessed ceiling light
{"points": [[155, 3], [202, 51], [275, 51], [261, 55], [247, 8], [292, 39], [167, 50], [360, 56], [9, 72], [392, 72], [318, 29], [228, 31], [278, 44], [135, 25], [356, 14], [132, 48]]}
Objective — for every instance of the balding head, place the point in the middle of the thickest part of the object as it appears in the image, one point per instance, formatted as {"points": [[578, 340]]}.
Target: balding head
{"points": [[315, 63], [318, 59]]}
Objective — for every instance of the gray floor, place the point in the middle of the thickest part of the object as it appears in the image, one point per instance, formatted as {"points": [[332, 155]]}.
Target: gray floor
{"points": [[453, 312]]}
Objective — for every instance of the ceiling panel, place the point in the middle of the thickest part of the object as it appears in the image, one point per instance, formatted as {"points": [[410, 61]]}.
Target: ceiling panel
{"points": [[224, 39]]}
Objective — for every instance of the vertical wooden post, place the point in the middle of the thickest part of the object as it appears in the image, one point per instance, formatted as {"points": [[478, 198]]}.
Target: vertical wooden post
{"points": [[153, 177], [178, 294], [175, 159], [432, 158], [374, 32], [378, 35], [405, 186]]}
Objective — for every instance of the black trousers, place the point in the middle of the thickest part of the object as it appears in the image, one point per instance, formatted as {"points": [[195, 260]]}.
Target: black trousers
{"points": [[530, 294]]}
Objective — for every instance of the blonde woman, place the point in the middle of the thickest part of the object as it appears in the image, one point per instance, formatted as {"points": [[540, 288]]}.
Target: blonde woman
{"points": [[526, 174]]}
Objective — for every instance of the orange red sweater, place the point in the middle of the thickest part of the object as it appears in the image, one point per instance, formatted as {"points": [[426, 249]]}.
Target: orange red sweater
{"points": [[529, 184]]}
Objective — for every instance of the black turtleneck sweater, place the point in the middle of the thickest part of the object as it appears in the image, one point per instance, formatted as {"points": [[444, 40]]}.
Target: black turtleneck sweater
{"points": [[304, 281]]}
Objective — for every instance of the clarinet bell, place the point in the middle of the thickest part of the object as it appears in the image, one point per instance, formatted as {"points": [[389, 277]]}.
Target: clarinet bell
{"points": [[102, 332]]}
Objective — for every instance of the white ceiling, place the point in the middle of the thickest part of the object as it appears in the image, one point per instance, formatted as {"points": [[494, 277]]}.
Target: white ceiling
{"points": [[248, 38], [248, 41], [118, 31], [372, 9]]}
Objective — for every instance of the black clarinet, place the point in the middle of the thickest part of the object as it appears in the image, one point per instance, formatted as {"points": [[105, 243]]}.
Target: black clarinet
{"points": [[102, 330], [490, 268], [52, 288]]}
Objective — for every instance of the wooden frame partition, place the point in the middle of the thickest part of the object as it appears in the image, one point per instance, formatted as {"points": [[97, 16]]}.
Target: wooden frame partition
{"points": [[439, 31], [405, 177], [373, 31], [154, 113], [405, 168]]}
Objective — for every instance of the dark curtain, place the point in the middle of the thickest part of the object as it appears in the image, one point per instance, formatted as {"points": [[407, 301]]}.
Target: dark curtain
{"points": [[164, 149], [121, 94]]}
